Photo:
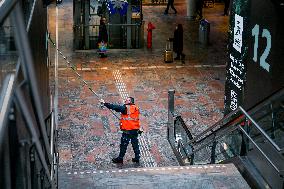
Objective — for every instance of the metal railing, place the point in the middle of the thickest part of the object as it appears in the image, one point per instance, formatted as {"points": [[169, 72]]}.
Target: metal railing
{"points": [[237, 134], [28, 151], [114, 40]]}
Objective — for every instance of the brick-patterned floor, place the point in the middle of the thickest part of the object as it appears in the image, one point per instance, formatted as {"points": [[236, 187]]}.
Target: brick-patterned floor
{"points": [[88, 134]]}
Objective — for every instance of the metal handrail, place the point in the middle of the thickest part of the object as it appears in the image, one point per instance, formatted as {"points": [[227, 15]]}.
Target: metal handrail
{"points": [[87, 25], [31, 126], [259, 149], [265, 102], [247, 135], [239, 109], [210, 129], [27, 67], [5, 103], [6, 8], [261, 131]]}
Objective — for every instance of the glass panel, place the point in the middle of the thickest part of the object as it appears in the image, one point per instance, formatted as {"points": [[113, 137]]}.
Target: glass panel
{"points": [[271, 119], [27, 7], [8, 53], [231, 144], [181, 139]]}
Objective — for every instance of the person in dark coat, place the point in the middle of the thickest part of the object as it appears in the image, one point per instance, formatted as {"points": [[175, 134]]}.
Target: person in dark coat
{"points": [[178, 43], [170, 3], [226, 7], [199, 7], [103, 36]]}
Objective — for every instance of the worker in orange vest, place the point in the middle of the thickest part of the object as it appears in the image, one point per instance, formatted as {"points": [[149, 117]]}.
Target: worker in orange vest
{"points": [[149, 35], [130, 127]]}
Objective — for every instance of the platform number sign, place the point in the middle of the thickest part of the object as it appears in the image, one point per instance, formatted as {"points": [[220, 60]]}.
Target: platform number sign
{"points": [[255, 66], [261, 58]]}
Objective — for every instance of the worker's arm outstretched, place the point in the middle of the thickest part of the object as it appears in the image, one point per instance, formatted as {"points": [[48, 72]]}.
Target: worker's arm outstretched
{"points": [[118, 108]]}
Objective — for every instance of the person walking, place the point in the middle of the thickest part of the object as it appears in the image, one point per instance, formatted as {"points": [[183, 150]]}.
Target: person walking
{"points": [[226, 7], [102, 38], [130, 127], [199, 7], [170, 3], [178, 43]]}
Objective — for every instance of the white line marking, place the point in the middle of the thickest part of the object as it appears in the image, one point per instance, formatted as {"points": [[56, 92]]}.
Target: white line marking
{"points": [[151, 67]]}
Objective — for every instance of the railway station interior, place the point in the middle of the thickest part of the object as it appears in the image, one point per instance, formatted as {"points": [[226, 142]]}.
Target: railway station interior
{"points": [[211, 118]]}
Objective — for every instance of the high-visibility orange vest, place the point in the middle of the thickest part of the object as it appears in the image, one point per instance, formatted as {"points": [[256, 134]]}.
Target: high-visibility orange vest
{"points": [[130, 121]]}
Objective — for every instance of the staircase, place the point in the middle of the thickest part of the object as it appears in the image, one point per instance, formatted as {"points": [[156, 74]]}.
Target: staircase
{"points": [[252, 140], [203, 176]]}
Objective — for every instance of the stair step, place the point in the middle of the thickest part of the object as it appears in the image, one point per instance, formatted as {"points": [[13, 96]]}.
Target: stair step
{"points": [[205, 176]]}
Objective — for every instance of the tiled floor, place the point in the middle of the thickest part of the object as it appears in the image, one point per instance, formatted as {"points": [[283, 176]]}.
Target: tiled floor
{"points": [[89, 136]]}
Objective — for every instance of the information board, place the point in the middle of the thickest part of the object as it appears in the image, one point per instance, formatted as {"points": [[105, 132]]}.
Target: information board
{"points": [[255, 66], [237, 55]]}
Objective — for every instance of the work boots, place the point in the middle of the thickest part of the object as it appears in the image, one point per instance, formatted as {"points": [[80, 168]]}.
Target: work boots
{"points": [[135, 160], [117, 160]]}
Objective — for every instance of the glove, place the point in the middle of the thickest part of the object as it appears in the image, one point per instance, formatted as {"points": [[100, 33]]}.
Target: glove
{"points": [[102, 102], [140, 132]]}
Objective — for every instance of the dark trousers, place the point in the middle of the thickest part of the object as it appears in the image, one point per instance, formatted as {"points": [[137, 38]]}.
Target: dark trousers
{"points": [[226, 7], [170, 3], [180, 55], [125, 138], [199, 7]]}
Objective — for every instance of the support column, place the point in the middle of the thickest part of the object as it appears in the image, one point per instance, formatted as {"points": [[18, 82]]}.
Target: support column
{"points": [[86, 22], [128, 29], [171, 105], [191, 8], [77, 23]]}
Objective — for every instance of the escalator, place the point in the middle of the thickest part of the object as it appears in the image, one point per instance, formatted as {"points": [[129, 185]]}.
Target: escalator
{"points": [[253, 140]]}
